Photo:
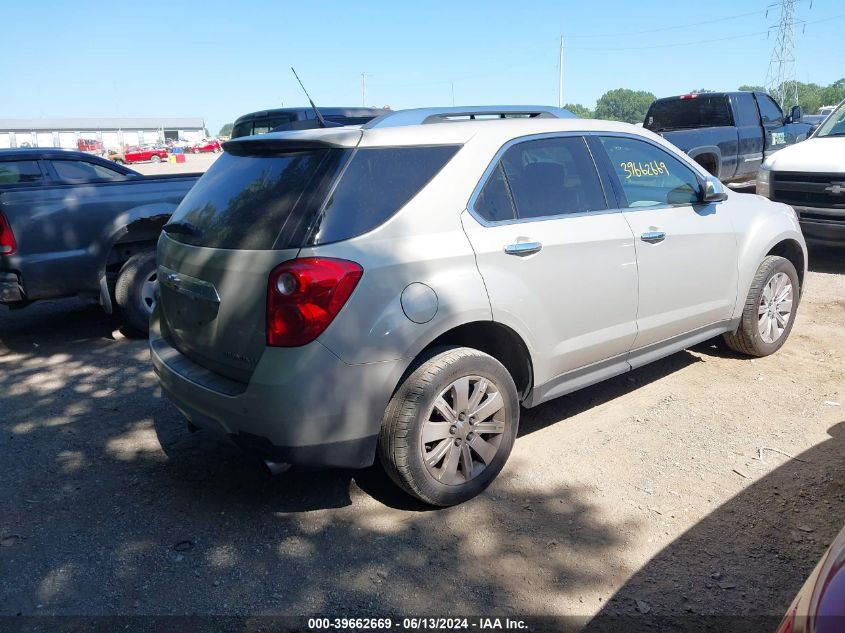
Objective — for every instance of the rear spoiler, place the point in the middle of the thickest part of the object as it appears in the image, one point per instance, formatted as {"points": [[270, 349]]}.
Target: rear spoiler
{"points": [[276, 143]]}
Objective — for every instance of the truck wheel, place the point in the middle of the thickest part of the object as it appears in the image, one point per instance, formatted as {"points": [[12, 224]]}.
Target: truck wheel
{"points": [[135, 290], [450, 426], [155, 159], [769, 310]]}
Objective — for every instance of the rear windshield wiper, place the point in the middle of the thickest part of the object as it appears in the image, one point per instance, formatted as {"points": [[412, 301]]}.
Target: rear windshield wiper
{"points": [[182, 228]]}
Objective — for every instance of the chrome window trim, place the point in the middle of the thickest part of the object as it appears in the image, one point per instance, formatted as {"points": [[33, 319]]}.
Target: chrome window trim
{"points": [[682, 158]]}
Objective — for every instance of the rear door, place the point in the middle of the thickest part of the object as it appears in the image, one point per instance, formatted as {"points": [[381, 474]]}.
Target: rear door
{"points": [[559, 267], [686, 252], [750, 134]]}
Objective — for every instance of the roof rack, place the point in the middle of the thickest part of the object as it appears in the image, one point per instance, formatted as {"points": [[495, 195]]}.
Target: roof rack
{"points": [[424, 116]]}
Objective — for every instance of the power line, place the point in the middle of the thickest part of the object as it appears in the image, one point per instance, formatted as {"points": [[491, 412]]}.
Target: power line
{"points": [[695, 42], [670, 28], [780, 78]]}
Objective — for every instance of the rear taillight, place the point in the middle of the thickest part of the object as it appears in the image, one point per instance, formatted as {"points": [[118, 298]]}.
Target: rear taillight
{"points": [[8, 245], [305, 295]]}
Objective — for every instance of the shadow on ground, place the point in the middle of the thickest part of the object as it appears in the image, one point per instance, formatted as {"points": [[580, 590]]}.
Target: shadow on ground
{"points": [[109, 506], [762, 543]]}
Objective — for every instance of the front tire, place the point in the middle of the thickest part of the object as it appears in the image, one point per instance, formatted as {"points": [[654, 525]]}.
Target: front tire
{"points": [[450, 426], [135, 290], [769, 309]]}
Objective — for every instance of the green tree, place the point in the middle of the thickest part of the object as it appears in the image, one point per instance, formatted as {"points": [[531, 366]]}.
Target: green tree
{"points": [[623, 104], [580, 110], [752, 88], [226, 130]]}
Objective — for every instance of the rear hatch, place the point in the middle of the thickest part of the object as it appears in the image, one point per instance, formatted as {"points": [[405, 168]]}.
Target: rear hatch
{"points": [[250, 212]]}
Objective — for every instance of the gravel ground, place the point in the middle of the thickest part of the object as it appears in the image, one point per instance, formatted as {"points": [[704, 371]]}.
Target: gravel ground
{"points": [[704, 483]]}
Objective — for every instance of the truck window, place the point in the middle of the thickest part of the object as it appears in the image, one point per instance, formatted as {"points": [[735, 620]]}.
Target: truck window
{"points": [[648, 175], [745, 110], [689, 112], [82, 171], [16, 172], [769, 110]]}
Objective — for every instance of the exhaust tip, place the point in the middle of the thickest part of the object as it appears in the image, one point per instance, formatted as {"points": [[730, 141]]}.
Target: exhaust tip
{"points": [[276, 468]]}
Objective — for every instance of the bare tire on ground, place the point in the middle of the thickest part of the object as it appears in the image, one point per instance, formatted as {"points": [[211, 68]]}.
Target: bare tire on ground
{"points": [[769, 311], [450, 426], [135, 290]]}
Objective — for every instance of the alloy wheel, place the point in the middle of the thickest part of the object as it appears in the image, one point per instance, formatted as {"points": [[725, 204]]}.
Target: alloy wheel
{"points": [[775, 308], [463, 431], [148, 292]]}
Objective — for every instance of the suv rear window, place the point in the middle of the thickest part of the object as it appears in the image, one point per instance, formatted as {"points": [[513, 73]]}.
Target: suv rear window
{"points": [[284, 201], [257, 202], [679, 114]]}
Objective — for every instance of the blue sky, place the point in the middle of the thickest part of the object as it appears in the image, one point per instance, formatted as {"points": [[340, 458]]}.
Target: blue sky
{"points": [[219, 59]]}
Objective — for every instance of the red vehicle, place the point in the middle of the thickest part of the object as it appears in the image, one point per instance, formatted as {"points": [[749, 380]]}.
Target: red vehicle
{"points": [[89, 145], [820, 605], [142, 154], [207, 145]]}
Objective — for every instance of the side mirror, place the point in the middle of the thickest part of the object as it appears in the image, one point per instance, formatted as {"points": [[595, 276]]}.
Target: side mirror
{"points": [[794, 114], [712, 190]]}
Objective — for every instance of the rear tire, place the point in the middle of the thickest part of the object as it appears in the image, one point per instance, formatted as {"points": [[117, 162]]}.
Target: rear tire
{"points": [[431, 444], [769, 309], [155, 159], [135, 290]]}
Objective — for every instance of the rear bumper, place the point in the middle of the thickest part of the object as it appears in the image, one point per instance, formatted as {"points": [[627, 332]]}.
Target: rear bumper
{"points": [[821, 225], [10, 289], [301, 406]]}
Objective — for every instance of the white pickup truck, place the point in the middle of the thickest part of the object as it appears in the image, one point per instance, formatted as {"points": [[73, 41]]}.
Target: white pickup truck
{"points": [[810, 177]]}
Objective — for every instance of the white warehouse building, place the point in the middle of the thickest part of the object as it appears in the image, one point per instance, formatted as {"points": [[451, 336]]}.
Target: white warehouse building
{"points": [[111, 132]]}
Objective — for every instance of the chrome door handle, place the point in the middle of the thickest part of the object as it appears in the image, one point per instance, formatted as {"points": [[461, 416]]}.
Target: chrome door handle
{"points": [[521, 249], [653, 237]]}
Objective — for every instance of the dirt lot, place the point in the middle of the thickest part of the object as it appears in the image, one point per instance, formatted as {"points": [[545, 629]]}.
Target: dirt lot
{"points": [[193, 163], [705, 483]]}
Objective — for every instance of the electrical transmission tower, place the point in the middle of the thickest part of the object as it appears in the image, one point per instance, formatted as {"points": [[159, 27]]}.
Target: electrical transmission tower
{"points": [[780, 80]]}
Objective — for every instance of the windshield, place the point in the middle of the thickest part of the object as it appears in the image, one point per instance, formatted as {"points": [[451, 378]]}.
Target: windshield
{"points": [[834, 125]]}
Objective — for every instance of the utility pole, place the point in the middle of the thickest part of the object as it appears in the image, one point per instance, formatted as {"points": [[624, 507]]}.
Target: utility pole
{"points": [[453, 92], [780, 78], [560, 76], [364, 89]]}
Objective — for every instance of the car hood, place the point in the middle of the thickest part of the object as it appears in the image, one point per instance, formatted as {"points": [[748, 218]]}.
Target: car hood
{"points": [[825, 155]]}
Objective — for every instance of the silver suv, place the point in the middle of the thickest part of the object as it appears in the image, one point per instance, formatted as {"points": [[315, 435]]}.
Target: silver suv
{"points": [[402, 288]]}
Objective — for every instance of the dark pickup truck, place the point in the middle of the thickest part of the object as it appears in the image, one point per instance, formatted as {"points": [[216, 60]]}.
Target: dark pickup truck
{"points": [[73, 224], [729, 133]]}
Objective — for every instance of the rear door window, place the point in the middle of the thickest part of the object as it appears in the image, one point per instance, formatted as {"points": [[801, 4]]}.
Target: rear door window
{"points": [[257, 202], [83, 171], [377, 183], [769, 111], [551, 177], [19, 172], [494, 203]]}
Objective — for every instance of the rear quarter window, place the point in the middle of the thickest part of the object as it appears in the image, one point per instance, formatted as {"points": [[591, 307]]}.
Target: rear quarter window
{"points": [[375, 185]]}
